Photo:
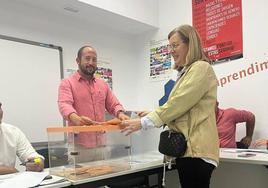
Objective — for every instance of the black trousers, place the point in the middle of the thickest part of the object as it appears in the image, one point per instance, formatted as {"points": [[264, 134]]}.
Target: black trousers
{"points": [[194, 172]]}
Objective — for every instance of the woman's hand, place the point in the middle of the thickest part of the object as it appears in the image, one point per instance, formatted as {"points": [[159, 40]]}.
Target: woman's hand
{"points": [[131, 126]]}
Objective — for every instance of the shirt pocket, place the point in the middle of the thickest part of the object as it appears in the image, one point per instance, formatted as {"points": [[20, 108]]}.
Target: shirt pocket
{"points": [[99, 97]]}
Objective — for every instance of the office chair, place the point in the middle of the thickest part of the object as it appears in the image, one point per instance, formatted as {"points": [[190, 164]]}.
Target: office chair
{"points": [[44, 153], [60, 156]]}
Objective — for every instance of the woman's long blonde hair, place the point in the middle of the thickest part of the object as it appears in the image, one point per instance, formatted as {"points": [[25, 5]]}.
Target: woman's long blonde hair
{"points": [[191, 37]]}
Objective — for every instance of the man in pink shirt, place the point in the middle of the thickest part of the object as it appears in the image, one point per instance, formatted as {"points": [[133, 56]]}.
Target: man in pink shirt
{"points": [[226, 123], [83, 99]]}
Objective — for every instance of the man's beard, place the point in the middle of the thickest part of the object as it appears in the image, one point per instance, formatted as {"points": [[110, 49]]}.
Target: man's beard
{"points": [[87, 70]]}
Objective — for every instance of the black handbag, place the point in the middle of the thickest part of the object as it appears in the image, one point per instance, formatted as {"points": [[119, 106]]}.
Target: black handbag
{"points": [[172, 144]]}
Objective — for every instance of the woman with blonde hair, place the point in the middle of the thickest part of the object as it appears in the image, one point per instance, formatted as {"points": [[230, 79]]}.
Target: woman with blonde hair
{"points": [[189, 109]]}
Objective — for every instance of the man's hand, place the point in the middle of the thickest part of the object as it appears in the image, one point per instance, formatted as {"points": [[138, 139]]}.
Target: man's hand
{"points": [[122, 116], [143, 113], [35, 164], [79, 120], [246, 140], [86, 121]]}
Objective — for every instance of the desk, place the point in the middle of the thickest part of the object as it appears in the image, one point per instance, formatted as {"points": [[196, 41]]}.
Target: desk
{"points": [[235, 170], [24, 179], [232, 155]]}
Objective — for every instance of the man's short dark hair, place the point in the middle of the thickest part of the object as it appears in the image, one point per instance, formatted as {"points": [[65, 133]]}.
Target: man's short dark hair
{"points": [[79, 53]]}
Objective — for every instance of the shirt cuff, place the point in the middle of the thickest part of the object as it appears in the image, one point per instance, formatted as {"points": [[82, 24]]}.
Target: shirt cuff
{"points": [[36, 154], [146, 123], [67, 117], [118, 110], [154, 117]]}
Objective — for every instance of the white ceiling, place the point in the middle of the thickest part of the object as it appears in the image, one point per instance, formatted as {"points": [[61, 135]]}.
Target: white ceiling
{"points": [[86, 14]]}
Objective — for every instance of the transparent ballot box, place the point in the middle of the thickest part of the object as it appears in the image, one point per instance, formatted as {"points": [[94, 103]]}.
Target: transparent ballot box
{"points": [[78, 152]]}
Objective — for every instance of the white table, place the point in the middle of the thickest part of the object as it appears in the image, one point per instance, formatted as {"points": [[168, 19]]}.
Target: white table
{"points": [[151, 163], [234, 155], [57, 185]]}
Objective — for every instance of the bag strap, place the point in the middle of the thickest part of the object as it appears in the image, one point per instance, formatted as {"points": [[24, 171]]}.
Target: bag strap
{"points": [[168, 162]]}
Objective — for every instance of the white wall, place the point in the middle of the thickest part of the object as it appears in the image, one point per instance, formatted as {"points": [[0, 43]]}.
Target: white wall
{"points": [[171, 14], [248, 93], [31, 23], [140, 10]]}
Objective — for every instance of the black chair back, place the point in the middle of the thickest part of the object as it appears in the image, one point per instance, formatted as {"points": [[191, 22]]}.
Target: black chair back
{"points": [[44, 153]]}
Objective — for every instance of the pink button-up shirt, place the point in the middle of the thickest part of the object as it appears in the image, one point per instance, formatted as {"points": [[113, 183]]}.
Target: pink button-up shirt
{"points": [[226, 123], [87, 98]]}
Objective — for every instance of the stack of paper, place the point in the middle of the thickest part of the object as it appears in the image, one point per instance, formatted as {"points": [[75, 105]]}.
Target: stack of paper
{"points": [[23, 180]]}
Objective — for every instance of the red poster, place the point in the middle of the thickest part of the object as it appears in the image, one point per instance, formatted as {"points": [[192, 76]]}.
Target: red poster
{"points": [[219, 23]]}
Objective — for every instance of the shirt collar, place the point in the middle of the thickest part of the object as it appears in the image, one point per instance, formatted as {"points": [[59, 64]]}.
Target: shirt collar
{"points": [[181, 71], [78, 77]]}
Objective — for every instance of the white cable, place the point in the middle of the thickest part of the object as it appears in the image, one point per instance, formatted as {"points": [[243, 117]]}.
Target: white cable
{"points": [[169, 164], [164, 175]]}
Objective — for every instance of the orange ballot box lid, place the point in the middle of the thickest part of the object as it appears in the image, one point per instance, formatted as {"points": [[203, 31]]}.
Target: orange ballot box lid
{"points": [[91, 128]]}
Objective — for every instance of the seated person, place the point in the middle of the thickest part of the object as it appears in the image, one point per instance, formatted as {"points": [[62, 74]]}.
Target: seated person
{"points": [[226, 124], [13, 142]]}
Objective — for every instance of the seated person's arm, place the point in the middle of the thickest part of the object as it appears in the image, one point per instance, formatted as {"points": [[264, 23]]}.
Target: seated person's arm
{"points": [[35, 164], [27, 154], [7, 170], [250, 124]]}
